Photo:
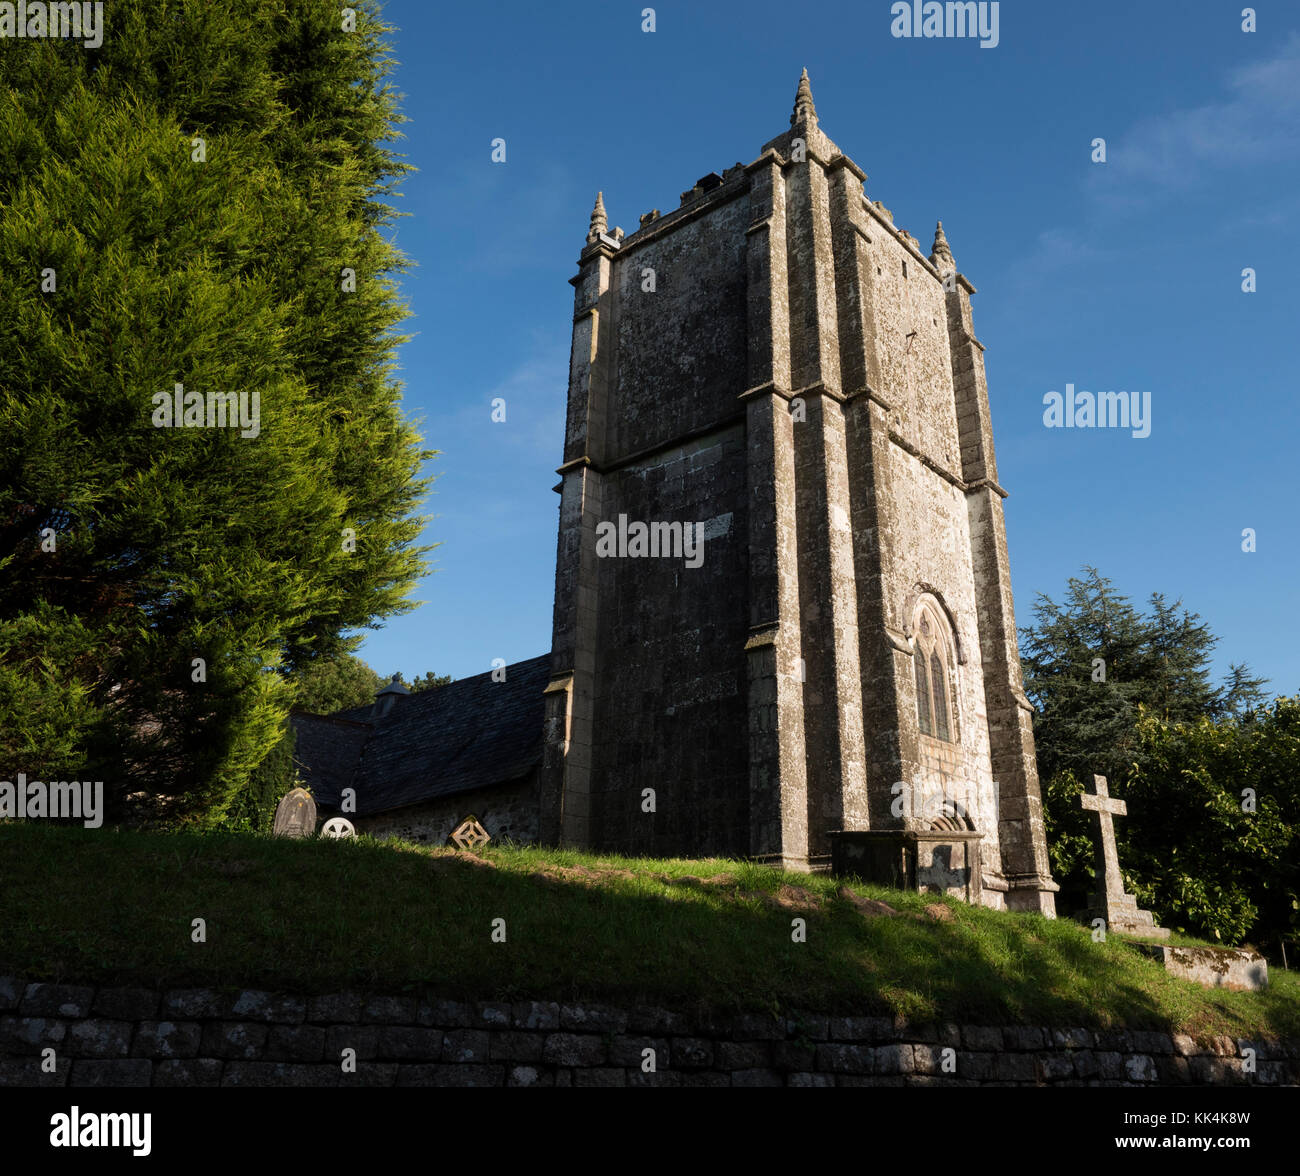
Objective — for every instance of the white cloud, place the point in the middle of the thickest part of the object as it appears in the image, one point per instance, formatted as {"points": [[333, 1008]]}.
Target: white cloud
{"points": [[1257, 122], [1061, 249], [1164, 156], [535, 392], [504, 215]]}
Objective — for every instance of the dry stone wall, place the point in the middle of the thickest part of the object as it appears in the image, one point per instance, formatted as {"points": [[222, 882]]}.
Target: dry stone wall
{"points": [[111, 1036]]}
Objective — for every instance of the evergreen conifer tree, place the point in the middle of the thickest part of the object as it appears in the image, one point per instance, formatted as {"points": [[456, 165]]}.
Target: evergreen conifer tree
{"points": [[198, 203], [1106, 679]]}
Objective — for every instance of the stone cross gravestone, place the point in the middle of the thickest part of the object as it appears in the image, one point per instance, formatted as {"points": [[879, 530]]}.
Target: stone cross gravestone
{"points": [[295, 815], [470, 833], [1119, 910], [337, 827]]}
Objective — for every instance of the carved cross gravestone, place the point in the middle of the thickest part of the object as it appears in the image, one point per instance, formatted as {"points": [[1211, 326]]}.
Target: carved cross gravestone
{"points": [[469, 833], [338, 827], [1119, 910], [295, 815], [1109, 880]]}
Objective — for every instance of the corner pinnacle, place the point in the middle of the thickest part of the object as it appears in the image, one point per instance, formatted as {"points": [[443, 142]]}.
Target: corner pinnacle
{"points": [[804, 110], [941, 256], [598, 222]]}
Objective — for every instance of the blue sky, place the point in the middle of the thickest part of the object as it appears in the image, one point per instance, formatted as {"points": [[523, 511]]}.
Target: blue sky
{"points": [[1117, 276]]}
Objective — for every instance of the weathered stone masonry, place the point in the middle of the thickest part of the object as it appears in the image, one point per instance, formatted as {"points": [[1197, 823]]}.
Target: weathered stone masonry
{"points": [[112, 1036], [778, 360]]}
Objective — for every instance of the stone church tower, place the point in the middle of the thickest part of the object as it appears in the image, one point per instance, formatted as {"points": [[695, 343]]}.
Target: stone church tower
{"points": [[776, 362]]}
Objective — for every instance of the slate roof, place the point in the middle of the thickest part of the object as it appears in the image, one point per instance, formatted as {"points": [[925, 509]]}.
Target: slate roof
{"points": [[466, 735], [327, 749]]}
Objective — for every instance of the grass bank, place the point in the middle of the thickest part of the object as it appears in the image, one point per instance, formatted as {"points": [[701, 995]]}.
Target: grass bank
{"points": [[317, 916]]}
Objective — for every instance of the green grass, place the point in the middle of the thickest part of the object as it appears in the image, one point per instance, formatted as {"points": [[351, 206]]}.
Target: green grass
{"points": [[319, 916]]}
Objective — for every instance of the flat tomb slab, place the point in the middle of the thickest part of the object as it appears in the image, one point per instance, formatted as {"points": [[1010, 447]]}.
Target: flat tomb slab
{"points": [[1238, 968]]}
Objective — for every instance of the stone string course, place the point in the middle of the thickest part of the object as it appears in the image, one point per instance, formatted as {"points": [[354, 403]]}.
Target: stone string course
{"points": [[206, 1037]]}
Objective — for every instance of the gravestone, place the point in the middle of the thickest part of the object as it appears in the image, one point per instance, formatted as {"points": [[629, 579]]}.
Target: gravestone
{"points": [[295, 815], [337, 827], [1119, 910], [469, 833]]}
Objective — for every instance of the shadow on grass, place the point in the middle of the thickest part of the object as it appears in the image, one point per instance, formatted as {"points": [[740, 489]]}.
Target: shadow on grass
{"points": [[323, 916]]}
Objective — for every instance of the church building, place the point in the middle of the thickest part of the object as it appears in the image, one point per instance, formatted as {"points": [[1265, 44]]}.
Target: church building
{"points": [[783, 623]]}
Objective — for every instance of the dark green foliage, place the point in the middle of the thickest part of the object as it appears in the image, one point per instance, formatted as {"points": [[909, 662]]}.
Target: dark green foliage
{"points": [[1090, 661], [1218, 870], [1128, 695], [428, 681], [319, 687], [334, 684], [253, 809], [173, 544]]}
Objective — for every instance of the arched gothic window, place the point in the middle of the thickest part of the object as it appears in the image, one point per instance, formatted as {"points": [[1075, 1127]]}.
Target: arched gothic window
{"points": [[939, 685], [923, 694], [934, 666]]}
